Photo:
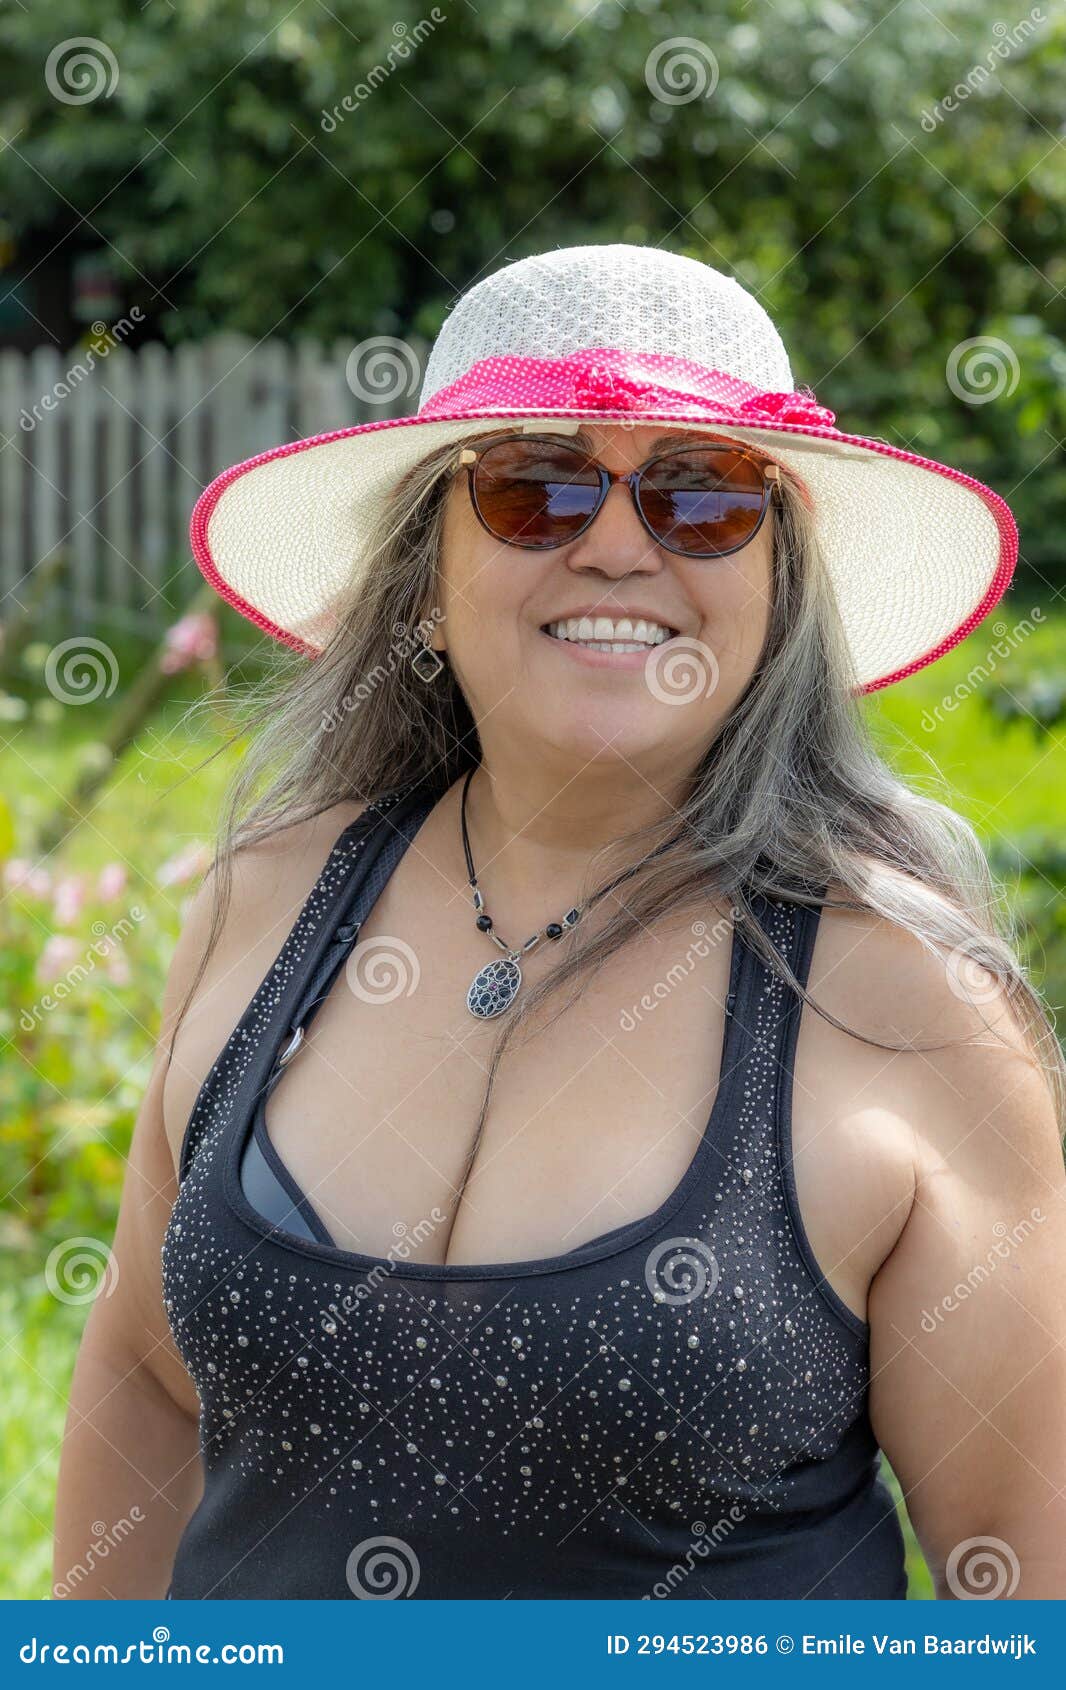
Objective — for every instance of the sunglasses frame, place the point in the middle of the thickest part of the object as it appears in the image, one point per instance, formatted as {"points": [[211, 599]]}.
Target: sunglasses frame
{"points": [[469, 456]]}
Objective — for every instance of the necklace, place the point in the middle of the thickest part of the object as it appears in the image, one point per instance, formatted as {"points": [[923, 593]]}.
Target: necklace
{"points": [[495, 987]]}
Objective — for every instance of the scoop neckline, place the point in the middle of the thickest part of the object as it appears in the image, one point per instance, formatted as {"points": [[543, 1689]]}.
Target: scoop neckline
{"points": [[730, 1067]]}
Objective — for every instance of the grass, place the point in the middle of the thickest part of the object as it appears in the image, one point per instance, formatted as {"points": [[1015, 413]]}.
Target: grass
{"points": [[1009, 780]]}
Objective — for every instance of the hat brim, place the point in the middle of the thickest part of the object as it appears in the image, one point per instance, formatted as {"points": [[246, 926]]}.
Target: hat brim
{"points": [[918, 553]]}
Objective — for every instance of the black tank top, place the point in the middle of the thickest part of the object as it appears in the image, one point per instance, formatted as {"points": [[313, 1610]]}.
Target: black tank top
{"points": [[677, 1408]]}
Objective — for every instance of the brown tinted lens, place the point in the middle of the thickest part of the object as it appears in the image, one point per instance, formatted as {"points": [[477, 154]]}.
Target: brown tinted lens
{"points": [[535, 492], [703, 501]]}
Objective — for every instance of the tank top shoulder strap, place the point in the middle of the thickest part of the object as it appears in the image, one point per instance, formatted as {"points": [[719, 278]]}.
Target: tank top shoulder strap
{"points": [[320, 937], [381, 845], [792, 928]]}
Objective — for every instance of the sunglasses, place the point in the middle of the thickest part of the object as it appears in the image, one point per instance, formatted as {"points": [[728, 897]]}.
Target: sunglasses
{"points": [[697, 500]]}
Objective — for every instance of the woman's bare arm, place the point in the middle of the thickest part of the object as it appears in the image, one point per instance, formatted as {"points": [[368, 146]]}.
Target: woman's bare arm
{"points": [[968, 1347], [129, 1475]]}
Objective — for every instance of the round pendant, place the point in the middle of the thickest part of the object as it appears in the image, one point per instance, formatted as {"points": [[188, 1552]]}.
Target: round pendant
{"points": [[493, 988]]}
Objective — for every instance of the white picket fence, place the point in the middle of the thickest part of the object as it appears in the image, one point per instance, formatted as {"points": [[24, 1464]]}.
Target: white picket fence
{"points": [[106, 467]]}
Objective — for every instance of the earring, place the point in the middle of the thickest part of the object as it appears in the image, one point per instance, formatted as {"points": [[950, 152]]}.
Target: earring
{"points": [[426, 664]]}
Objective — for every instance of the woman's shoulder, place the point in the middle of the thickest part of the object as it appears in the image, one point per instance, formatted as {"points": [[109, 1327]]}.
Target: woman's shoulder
{"points": [[960, 1065], [225, 951], [269, 880], [903, 984]]}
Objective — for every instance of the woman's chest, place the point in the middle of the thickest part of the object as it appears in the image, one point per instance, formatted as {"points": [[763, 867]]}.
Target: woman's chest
{"points": [[645, 1380], [594, 1119]]}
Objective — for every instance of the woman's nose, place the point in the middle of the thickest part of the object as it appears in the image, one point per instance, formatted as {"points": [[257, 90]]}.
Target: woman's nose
{"points": [[616, 540]]}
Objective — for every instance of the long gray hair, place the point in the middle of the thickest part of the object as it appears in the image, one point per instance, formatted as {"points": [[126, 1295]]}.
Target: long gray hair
{"points": [[791, 794]]}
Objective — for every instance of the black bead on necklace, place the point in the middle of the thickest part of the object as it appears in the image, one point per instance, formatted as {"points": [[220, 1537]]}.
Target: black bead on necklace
{"points": [[494, 987]]}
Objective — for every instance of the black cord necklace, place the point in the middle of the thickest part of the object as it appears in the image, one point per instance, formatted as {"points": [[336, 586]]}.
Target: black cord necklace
{"points": [[494, 987]]}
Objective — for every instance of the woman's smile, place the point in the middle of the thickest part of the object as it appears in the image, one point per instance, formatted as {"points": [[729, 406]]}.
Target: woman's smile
{"points": [[614, 642]]}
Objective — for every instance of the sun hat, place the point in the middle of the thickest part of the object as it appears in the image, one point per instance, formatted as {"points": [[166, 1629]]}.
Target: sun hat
{"points": [[918, 553]]}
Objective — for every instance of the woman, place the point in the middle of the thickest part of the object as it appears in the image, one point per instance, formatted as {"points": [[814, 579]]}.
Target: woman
{"points": [[519, 1235]]}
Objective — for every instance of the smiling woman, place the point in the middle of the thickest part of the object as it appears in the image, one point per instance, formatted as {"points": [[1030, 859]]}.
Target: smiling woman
{"points": [[443, 1271]]}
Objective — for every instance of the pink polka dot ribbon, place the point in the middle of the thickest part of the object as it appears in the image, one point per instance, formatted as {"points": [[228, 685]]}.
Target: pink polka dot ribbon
{"points": [[603, 379]]}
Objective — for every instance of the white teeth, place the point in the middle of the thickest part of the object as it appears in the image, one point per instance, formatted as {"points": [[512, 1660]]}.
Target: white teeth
{"points": [[604, 633]]}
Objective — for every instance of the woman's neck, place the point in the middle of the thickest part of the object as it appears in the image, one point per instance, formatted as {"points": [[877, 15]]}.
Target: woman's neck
{"points": [[532, 836]]}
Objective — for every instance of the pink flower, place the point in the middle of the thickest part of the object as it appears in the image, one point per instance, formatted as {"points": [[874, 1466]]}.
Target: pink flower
{"points": [[117, 968], [111, 882], [798, 407], [193, 639], [604, 389], [68, 899], [193, 860], [22, 876], [60, 953]]}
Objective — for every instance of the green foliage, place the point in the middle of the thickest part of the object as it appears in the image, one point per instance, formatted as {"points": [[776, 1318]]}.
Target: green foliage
{"points": [[234, 190], [70, 1082], [817, 159]]}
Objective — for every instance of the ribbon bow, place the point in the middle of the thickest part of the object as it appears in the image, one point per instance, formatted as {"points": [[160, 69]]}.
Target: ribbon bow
{"points": [[798, 407], [604, 389]]}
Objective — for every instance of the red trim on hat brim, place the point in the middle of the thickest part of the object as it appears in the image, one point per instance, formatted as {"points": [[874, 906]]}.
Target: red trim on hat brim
{"points": [[1004, 519]]}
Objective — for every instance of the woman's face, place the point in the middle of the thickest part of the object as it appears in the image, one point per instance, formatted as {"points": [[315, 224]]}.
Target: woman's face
{"points": [[524, 685]]}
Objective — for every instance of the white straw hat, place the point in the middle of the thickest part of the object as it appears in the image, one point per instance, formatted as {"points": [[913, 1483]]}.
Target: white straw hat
{"points": [[918, 553]]}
